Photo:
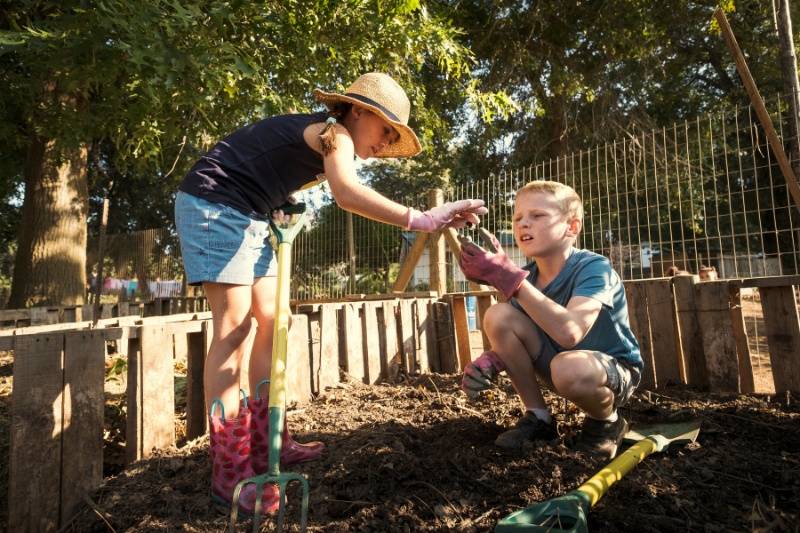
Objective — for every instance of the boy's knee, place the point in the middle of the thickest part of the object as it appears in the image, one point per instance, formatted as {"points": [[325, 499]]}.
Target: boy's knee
{"points": [[573, 375], [497, 317]]}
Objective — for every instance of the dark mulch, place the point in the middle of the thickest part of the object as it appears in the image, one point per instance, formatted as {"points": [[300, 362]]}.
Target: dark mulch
{"points": [[418, 456]]}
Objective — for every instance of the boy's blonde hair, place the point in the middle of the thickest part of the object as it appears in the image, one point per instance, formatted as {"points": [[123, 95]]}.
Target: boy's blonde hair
{"points": [[568, 200]]}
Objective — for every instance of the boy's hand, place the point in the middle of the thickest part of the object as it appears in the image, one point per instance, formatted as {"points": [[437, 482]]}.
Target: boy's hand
{"points": [[495, 269], [478, 374], [450, 215]]}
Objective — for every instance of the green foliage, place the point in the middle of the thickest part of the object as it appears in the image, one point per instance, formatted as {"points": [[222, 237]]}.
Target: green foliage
{"points": [[153, 84]]}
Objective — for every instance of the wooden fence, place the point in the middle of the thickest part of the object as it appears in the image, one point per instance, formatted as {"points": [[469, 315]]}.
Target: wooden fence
{"points": [[58, 314], [690, 332]]}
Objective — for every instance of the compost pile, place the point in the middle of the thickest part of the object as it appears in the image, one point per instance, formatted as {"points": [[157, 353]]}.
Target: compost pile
{"points": [[417, 456]]}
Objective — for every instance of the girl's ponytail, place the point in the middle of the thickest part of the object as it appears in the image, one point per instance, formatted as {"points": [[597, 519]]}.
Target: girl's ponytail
{"points": [[327, 137]]}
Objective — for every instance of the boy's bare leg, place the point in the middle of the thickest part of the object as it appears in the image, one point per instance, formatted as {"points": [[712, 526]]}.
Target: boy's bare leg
{"points": [[579, 377], [514, 339]]}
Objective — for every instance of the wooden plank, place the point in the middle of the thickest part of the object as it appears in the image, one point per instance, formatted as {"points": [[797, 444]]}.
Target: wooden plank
{"points": [[667, 357], [714, 315], [36, 426], [408, 337], [152, 408], [298, 362], [636, 297], [371, 341], [783, 336], [445, 337], [197, 345], [461, 328], [407, 268], [353, 342], [426, 347], [746, 378], [314, 342], [179, 346], [391, 358], [82, 438], [688, 331], [485, 301], [327, 373], [771, 281]]}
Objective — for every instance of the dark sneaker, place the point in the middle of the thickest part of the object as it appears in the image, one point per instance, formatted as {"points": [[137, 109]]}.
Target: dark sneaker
{"points": [[601, 438], [528, 428]]}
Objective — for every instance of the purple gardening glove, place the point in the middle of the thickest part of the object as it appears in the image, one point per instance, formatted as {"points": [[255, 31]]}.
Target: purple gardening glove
{"points": [[450, 215], [488, 268], [478, 374]]}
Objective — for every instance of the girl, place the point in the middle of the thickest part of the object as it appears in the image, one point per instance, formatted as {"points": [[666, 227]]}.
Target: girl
{"points": [[221, 214]]}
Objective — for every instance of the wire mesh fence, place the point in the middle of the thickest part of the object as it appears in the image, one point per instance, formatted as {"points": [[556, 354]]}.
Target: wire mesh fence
{"points": [[702, 193], [699, 195]]}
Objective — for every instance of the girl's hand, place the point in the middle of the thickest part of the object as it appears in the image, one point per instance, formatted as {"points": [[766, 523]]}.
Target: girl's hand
{"points": [[449, 215]]}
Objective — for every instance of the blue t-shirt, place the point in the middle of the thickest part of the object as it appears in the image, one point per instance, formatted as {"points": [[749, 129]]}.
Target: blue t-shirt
{"points": [[257, 167], [589, 274]]}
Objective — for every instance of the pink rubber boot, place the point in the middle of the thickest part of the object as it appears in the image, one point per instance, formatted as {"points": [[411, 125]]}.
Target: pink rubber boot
{"points": [[231, 463], [292, 452]]}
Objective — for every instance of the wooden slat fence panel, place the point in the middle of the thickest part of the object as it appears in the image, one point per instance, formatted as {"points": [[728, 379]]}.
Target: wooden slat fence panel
{"points": [[666, 351], [326, 372], [84, 400], [746, 377], [371, 342], [783, 336], [408, 337], [298, 362], [640, 325], [391, 358], [688, 331], [719, 345], [36, 427]]}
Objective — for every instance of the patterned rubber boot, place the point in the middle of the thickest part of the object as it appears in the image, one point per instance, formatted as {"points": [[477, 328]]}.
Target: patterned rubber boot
{"points": [[292, 452], [231, 463]]}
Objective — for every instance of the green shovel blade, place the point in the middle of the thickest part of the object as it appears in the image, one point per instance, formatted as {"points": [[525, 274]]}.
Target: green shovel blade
{"points": [[558, 515]]}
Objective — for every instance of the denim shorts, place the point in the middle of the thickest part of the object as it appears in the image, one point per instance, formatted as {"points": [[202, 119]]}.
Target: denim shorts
{"points": [[219, 244], [623, 378]]}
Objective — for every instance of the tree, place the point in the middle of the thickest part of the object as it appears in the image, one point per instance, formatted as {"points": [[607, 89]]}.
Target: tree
{"points": [[148, 85]]}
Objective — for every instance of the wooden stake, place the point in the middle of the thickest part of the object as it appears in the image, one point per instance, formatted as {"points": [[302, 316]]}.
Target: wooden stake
{"points": [[758, 105]]}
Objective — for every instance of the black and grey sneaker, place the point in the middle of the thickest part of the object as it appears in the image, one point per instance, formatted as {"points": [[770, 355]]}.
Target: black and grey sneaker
{"points": [[601, 438], [528, 428]]}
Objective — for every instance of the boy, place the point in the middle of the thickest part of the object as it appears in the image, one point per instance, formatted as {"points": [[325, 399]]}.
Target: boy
{"points": [[566, 321]]}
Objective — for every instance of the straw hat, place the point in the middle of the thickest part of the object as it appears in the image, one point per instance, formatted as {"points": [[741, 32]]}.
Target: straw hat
{"points": [[383, 96]]}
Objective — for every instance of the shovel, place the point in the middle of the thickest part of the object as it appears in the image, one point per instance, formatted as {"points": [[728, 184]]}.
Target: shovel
{"points": [[285, 234], [568, 513]]}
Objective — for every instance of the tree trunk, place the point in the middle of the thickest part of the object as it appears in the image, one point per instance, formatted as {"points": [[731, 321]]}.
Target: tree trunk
{"points": [[50, 265]]}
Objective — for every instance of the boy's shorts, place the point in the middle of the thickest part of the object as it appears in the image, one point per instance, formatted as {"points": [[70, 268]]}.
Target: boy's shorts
{"points": [[623, 378], [220, 244]]}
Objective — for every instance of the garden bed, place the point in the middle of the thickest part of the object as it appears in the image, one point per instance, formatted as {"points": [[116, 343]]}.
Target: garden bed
{"points": [[416, 456]]}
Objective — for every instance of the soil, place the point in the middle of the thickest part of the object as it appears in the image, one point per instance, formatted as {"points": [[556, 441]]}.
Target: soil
{"points": [[418, 456]]}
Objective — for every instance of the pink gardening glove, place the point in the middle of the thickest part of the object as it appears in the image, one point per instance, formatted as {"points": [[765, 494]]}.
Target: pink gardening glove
{"points": [[478, 374], [450, 215], [488, 268]]}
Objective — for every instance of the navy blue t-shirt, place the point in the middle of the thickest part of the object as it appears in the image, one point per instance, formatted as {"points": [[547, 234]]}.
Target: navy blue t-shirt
{"points": [[589, 274], [257, 167]]}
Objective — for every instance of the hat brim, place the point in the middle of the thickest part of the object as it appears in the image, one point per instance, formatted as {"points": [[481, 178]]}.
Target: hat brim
{"points": [[407, 145]]}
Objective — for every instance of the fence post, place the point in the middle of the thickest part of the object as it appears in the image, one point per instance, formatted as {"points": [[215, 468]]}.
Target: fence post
{"points": [[438, 265]]}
